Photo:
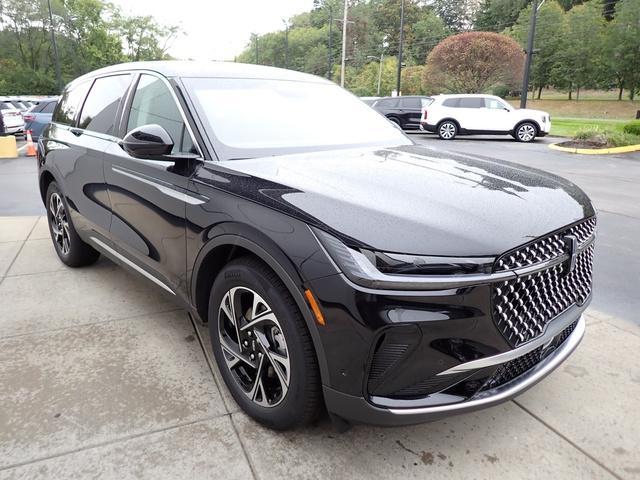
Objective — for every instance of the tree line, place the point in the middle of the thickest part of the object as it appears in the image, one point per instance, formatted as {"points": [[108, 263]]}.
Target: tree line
{"points": [[578, 44], [90, 34]]}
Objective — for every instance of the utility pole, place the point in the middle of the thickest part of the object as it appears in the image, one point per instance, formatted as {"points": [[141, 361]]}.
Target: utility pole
{"points": [[286, 43], [529, 52], [255, 39], [55, 50], [399, 74], [330, 59], [344, 43]]}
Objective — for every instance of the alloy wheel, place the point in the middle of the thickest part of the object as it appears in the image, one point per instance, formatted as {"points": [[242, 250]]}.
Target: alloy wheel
{"points": [[254, 346], [526, 132], [59, 223], [447, 130]]}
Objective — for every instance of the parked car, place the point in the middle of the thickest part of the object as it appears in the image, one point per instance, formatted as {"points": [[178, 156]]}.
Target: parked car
{"points": [[369, 100], [452, 115], [341, 264], [39, 116], [404, 111], [11, 117]]}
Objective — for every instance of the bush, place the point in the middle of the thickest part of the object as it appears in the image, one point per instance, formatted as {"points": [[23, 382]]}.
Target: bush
{"points": [[632, 128], [600, 138], [501, 90]]}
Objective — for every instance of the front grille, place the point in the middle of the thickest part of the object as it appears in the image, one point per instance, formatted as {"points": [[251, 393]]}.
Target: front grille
{"points": [[546, 248], [523, 306], [513, 369]]}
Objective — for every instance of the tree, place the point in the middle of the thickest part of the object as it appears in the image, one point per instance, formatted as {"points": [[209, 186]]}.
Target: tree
{"points": [[579, 63], [622, 48], [144, 38], [457, 15], [549, 40], [426, 33], [498, 15], [473, 62]]}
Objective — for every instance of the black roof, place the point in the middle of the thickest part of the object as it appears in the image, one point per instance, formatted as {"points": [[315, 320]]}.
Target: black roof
{"points": [[180, 68]]}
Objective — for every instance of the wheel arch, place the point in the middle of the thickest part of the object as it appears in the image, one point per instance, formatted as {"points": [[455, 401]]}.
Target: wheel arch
{"points": [[528, 120], [218, 251], [46, 177], [449, 119]]}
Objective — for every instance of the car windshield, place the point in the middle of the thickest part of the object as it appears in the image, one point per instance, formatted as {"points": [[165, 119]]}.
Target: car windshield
{"points": [[256, 117]]}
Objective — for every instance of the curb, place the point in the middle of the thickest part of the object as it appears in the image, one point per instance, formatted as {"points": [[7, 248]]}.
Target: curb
{"points": [[596, 151]]}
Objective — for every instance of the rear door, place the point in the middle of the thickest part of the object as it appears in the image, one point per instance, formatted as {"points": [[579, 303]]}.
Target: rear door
{"points": [[469, 113], [410, 111], [148, 196]]}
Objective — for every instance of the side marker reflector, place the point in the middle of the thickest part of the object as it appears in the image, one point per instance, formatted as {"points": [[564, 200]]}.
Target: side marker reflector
{"points": [[314, 307]]}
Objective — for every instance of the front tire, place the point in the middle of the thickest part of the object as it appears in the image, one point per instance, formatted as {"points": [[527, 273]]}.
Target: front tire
{"points": [[447, 130], [68, 245], [526, 132], [262, 346]]}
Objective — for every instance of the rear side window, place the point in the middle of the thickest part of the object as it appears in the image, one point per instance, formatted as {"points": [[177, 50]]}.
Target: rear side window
{"points": [[49, 107], [154, 103], [451, 102], [471, 102], [387, 103], [70, 103], [413, 103], [99, 110], [7, 106]]}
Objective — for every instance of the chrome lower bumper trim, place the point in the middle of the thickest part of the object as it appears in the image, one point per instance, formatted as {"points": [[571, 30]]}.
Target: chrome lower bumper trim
{"points": [[511, 389]]}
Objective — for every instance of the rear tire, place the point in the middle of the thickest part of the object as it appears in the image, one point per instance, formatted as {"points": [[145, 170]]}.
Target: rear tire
{"points": [[447, 130], [68, 245], [395, 120], [265, 354]]}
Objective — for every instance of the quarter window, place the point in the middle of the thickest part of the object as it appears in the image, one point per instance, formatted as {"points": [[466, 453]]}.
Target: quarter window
{"points": [[387, 103], [99, 110], [153, 103]]}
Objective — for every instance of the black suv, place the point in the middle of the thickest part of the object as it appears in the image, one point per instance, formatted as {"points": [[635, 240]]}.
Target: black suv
{"points": [[405, 111], [340, 264]]}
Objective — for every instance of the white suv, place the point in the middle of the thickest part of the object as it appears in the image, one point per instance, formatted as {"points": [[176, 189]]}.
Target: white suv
{"points": [[450, 115]]}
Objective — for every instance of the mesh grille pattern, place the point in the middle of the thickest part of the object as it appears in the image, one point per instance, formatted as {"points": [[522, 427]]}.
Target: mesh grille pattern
{"points": [[546, 248], [385, 358], [523, 306], [513, 369]]}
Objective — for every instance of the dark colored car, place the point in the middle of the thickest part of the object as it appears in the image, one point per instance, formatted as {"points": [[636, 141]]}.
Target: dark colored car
{"points": [[340, 264], [405, 111], [39, 116]]}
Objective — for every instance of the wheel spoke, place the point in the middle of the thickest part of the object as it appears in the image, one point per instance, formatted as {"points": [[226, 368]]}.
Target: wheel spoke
{"points": [[265, 317], [279, 362], [237, 356]]}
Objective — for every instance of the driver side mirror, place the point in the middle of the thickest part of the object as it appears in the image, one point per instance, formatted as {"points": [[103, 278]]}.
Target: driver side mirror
{"points": [[149, 142]]}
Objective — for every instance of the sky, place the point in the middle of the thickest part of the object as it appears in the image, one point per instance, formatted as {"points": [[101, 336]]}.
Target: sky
{"points": [[216, 29]]}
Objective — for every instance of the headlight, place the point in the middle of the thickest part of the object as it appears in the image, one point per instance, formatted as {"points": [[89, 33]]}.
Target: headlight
{"points": [[411, 272]]}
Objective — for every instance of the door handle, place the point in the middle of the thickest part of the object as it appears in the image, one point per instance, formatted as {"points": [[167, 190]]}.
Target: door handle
{"points": [[76, 131]]}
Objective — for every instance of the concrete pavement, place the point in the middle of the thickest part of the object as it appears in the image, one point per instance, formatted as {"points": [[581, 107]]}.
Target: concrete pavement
{"points": [[101, 377]]}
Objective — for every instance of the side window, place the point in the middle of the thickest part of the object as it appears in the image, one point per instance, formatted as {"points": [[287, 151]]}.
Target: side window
{"points": [[451, 102], [70, 103], [494, 103], [387, 103], [412, 103], [48, 107], [99, 110], [154, 103], [471, 102]]}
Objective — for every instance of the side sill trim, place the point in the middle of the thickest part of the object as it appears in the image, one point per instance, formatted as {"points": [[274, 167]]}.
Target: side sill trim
{"points": [[509, 390], [122, 258]]}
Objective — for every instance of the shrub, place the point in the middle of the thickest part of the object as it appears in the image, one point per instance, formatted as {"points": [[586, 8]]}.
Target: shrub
{"points": [[599, 138], [501, 90], [632, 127]]}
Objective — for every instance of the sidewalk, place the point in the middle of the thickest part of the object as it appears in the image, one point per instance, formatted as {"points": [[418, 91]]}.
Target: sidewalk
{"points": [[100, 376]]}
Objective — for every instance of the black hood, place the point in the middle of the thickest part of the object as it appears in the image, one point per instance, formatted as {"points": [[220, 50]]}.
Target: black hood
{"points": [[413, 199]]}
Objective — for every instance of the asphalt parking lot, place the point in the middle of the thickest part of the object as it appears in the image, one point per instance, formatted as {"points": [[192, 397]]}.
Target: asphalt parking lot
{"points": [[100, 376]]}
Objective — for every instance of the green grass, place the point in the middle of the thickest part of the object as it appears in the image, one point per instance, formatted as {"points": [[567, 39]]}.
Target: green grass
{"points": [[569, 127]]}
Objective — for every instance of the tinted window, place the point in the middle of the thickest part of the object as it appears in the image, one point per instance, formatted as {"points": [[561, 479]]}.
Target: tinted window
{"points": [[99, 110], [412, 103], [471, 102], [451, 102], [387, 103], [7, 106], [154, 103], [70, 103], [49, 107], [37, 108]]}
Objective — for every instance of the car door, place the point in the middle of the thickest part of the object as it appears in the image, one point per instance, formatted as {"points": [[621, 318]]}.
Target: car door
{"points": [[497, 115], [83, 126], [469, 113], [410, 111], [148, 196]]}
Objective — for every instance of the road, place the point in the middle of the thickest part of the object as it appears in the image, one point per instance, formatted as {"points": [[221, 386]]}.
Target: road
{"points": [[611, 181]]}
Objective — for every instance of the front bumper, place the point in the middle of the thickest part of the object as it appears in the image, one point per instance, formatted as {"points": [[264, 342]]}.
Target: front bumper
{"points": [[358, 409]]}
